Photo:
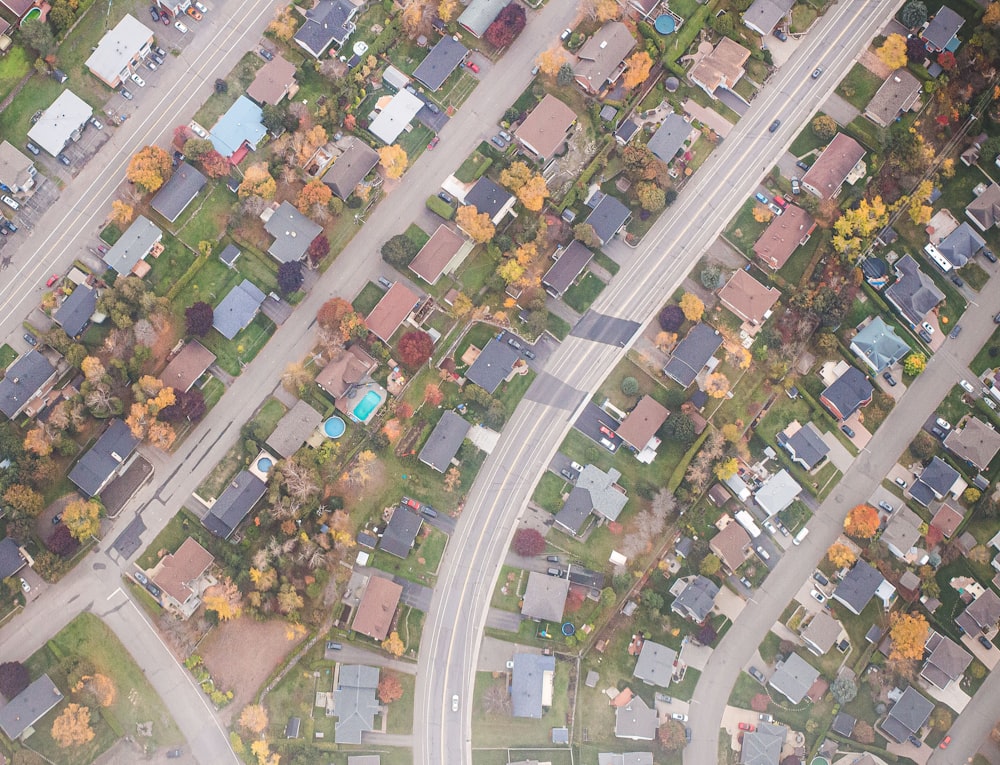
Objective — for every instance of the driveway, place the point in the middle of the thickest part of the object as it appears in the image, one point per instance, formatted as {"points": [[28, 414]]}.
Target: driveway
{"points": [[838, 455], [592, 419], [729, 603], [841, 111]]}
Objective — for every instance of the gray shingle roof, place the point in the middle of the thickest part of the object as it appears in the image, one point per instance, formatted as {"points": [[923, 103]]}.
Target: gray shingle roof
{"points": [[793, 678], [292, 231], [908, 715], [669, 137], [764, 15], [696, 599], [350, 168], [914, 292], [487, 197], [858, 587], [938, 477], [545, 597], [492, 365], [636, 721], [692, 354], [600, 57], [75, 312], [326, 23], [943, 27], [479, 14], [805, 446], [656, 664], [961, 244], [564, 271], [234, 504], [237, 309], [848, 393], [527, 683], [594, 492], [608, 218], [29, 706], [401, 532], [440, 62], [355, 702], [843, 724], [230, 255], [445, 441], [133, 245], [898, 93], [177, 193], [762, 746], [104, 458], [23, 379], [293, 429], [11, 560]]}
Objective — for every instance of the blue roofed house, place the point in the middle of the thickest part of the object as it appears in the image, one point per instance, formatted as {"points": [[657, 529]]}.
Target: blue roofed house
{"points": [[293, 232], [238, 130], [355, 701], [133, 246], [479, 14], [961, 244], [237, 309], [330, 22], [234, 504], [878, 345], [493, 365], [914, 293], [110, 456], [693, 354], [442, 60], [848, 393], [76, 310], [531, 684], [28, 707], [669, 138], [804, 444], [942, 31], [26, 380], [608, 217], [936, 481]]}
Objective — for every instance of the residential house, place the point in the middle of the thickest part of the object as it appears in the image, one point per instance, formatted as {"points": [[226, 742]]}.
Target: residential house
{"points": [[858, 587], [133, 246], [355, 701], [936, 481], [61, 123], [942, 32], [570, 263], [696, 600], [821, 633], [669, 137], [635, 721], [914, 293], [545, 129], [731, 545], [346, 370], [444, 441], [601, 60], [902, 531], [350, 168], [763, 745], [13, 558], [960, 245], [947, 520], [18, 7], [804, 444], [843, 725], [878, 345], [840, 159], [545, 597], [109, 457], [626, 131], [181, 577], [179, 191], [401, 532], [984, 210], [239, 131], [655, 665], [645, 9], [746, 297], [377, 609], [908, 715], [531, 684], [970, 156], [625, 758], [391, 311], [293, 232], [638, 429], [76, 310], [17, 171], [489, 198], [442, 254], [273, 82], [237, 309], [783, 235], [187, 367], [764, 15], [396, 116], [898, 94], [26, 379], [479, 14], [946, 662], [777, 493], [120, 51], [28, 707], [692, 354], [292, 430], [981, 615], [329, 22], [493, 365], [443, 59], [608, 216], [720, 69], [234, 504], [793, 678], [975, 442], [595, 492], [848, 393]]}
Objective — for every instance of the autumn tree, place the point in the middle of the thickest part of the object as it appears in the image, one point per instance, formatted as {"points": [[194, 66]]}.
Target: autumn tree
{"points": [[650, 196], [550, 60], [390, 689], [528, 542], [393, 160], [72, 726], [862, 521], [639, 65], [149, 168], [83, 518], [824, 127], [318, 249], [290, 277], [121, 213], [477, 225], [283, 25], [393, 644], [710, 565], [214, 164], [257, 182], [587, 235], [253, 719], [433, 395], [601, 10], [508, 24], [452, 479], [225, 599], [893, 51], [14, 678], [671, 736], [671, 317], [914, 364], [415, 348], [195, 148], [199, 318], [533, 193], [332, 313], [726, 469], [289, 600], [908, 633], [313, 193], [98, 687], [295, 378], [447, 10], [761, 214], [717, 385], [858, 224], [840, 555], [863, 732], [24, 500], [692, 307]]}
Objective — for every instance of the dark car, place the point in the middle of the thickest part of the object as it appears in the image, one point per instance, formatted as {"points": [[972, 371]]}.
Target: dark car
{"points": [[915, 741], [266, 54], [435, 109], [158, 59], [956, 331], [56, 519], [957, 281], [30, 339], [925, 335], [32, 148], [156, 49], [498, 142], [514, 344], [554, 572], [757, 675], [64, 159], [154, 590], [445, 197], [984, 642], [552, 558], [780, 34], [774, 126], [428, 511], [687, 735], [988, 254], [889, 378], [996, 319], [528, 354], [847, 431], [938, 433], [801, 165], [126, 94], [155, 14], [567, 474], [9, 225], [173, 754], [333, 645], [821, 579], [178, 158]]}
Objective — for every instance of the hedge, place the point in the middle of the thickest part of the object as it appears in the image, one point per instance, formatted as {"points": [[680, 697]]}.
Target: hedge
{"points": [[678, 475], [440, 208]]}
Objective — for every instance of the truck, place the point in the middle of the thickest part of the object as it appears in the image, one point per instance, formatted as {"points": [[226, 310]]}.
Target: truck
{"points": [[797, 539]]}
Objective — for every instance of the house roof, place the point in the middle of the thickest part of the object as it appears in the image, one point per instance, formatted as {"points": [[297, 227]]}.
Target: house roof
{"points": [[394, 78], [177, 193], [692, 354], [479, 14], [23, 379], [981, 615], [528, 681], [355, 702], [635, 720], [897, 94], [947, 520], [669, 137], [567, 268], [626, 131], [608, 218], [858, 587], [28, 707], [938, 478], [104, 458], [377, 607], [492, 365], [697, 598], [345, 370], [237, 309], [15, 167], [292, 727], [234, 504], [985, 209], [176, 571], [879, 345], [545, 597], [764, 15], [902, 530], [18, 7], [396, 115], [293, 232], [914, 293], [748, 298], [783, 235], [730, 545], [822, 632], [60, 121], [293, 429], [241, 124], [641, 424], [908, 715], [843, 724], [943, 27], [763, 745], [600, 57], [441, 249], [401, 532], [273, 81], [230, 254], [76, 310], [11, 559], [975, 442], [187, 366], [364, 759], [848, 393], [133, 246], [440, 62], [829, 172], [350, 168], [445, 441], [804, 444], [326, 23], [961, 244], [487, 197], [595, 492], [778, 492], [656, 664], [118, 48], [722, 68], [544, 129], [793, 677], [946, 663], [391, 311]]}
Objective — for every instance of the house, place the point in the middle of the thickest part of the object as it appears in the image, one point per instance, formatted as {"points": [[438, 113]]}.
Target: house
{"points": [[445, 251], [120, 51], [292, 430], [763, 745], [293, 727], [493, 365], [345, 371], [230, 255], [394, 78], [187, 367], [329, 22], [878, 345], [984, 210], [355, 701], [638, 429], [445, 441], [947, 520], [377, 608], [635, 721], [696, 600], [748, 299], [544, 597], [489, 198], [783, 235], [17, 172], [293, 232], [947, 661], [692, 354], [942, 31], [596, 492], [134, 245], [626, 758], [793, 678], [848, 393], [975, 443], [568, 266], [531, 684], [722, 68], [181, 576], [443, 59], [960, 245], [669, 137], [764, 15], [28, 707], [237, 309], [970, 156], [239, 130], [981, 615], [608, 217], [858, 587], [479, 14], [626, 131], [396, 116], [601, 60], [821, 633], [350, 168], [391, 311], [655, 665], [898, 94], [914, 293], [76, 310], [179, 191], [804, 444], [235, 504], [731, 546], [12, 558], [109, 457], [840, 159], [61, 123], [17, 7], [401, 532], [936, 481], [544, 130], [25, 380], [902, 531], [908, 715], [777, 493], [273, 81]]}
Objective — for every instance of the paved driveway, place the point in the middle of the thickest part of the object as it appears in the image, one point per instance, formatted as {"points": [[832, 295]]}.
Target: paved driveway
{"points": [[839, 456], [841, 111], [592, 419]]}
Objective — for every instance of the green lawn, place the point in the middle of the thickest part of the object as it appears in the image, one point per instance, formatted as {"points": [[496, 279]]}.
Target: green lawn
{"points": [[233, 354], [473, 167], [183, 525], [7, 356], [858, 87], [166, 270], [207, 216], [975, 276], [581, 295], [212, 390], [476, 269], [368, 298], [807, 141], [988, 356], [744, 231], [795, 267], [549, 492], [421, 564], [13, 66], [502, 730]]}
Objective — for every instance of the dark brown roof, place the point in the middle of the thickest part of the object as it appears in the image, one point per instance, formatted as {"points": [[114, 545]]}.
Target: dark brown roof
{"points": [[349, 367], [392, 311], [273, 81], [783, 235], [377, 607], [829, 172], [747, 297], [946, 520], [642, 422], [730, 545], [187, 366]]}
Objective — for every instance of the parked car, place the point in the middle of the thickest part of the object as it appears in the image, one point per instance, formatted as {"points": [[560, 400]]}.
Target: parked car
{"points": [[900, 483], [915, 741], [780, 34], [938, 433], [552, 558], [746, 583], [151, 65], [607, 431], [193, 12], [775, 209], [764, 717], [957, 280], [473, 66], [554, 571], [984, 642], [848, 431], [126, 94], [201, 7], [410, 503], [506, 136], [761, 198], [528, 354], [817, 72], [154, 14], [165, 18], [96, 123], [747, 727], [154, 590], [956, 331], [818, 576], [924, 335], [763, 553], [687, 734], [140, 578], [158, 59], [63, 159], [433, 142], [944, 742], [157, 50], [445, 197], [52, 280], [9, 225], [24, 585], [428, 512], [770, 527], [927, 327], [801, 165], [435, 109], [966, 386], [32, 148], [266, 54], [818, 596], [514, 344], [678, 716], [774, 126], [565, 34], [942, 423], [988, 254], [138, 80], [885, 506], [180, 27], [173, 754], [498, 142], [757, 675], [576, 466], [796, 186], [12, 203], [608, 445], [535, 69], [56, 519], [887, 376], [30, 339], [333, 646], [567, 474]]}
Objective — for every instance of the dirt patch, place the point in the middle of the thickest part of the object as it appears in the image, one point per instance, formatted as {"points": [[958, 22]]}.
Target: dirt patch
{"points": [[43, 523], [874, 64], [131, 752]]}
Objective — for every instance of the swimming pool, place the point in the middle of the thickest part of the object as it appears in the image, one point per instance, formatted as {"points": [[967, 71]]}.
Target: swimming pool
{"points": [[366, 405], [264, 464], [334, 427]]}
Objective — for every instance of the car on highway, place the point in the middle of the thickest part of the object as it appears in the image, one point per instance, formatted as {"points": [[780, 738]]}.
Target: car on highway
{"points": [[30, 339], [887, 376], [141, 578], [757, 675], [24, 585], [774, 126], [473, 66], [817, 72], [454, 703], [796, 186], [747, 727], [433, 142], [180, 27]]}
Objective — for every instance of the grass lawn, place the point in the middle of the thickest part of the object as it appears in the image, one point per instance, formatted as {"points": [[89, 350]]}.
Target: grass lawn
{"points": [[865, 131], [233, 354], [500, 730], [803, 17], [795, 267], [207, 217], [415, 142], [473, 167], [422, 563], [13, 66], [368, 298], [166, 270], [807, 141], [549, 492], [858, 87], [744, 231], [212, 390], [476, 269], [183, 525], [606, 263], [988, 356], [7, 356], [975, 276], [558, 326], [581, 295]]}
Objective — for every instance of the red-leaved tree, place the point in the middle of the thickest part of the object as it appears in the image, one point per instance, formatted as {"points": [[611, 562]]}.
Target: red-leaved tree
{"points": [[507, 26], [528, 542], [199, 318], [415, 348], [214, 164], [318, 249]]}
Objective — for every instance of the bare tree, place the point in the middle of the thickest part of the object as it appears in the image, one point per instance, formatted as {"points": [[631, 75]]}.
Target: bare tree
{"points": [[496, 700], [145, 333], [285, 508], [99, 400], [300, 481]]}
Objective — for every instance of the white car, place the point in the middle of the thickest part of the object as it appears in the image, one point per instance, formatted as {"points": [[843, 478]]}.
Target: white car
{"points": [[818, 596], [967, 387], [454, 703], [201, 7], [138, 80], [180, 27], [13, 204], [928, 328], [943, 424], [25, 586], [678, 716]]}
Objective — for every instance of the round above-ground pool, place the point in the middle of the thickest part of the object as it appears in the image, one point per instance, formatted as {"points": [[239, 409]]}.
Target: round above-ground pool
{"points": [[364, 408], [264, 464], [820, 761], [334, 427], [568, 629], [33, 13], [665, 24]]}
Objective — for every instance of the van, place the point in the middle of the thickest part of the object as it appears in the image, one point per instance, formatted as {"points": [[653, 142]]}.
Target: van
{"points": [[797, 539], [11, 203]]}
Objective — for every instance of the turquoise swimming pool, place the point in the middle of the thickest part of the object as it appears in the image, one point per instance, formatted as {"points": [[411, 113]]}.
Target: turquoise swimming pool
{"points": [[366, 405]]}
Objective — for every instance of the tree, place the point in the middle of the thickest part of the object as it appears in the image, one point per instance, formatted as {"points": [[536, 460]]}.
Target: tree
{"points": [[332, 313], [650, 196], [726, 469], [195, 148], [528, 543], [533, 193], [318, 249], [225, 599], [433, 395], [692, 307], [121, 213], [941, 718], [452, 479], [253, 719], [98, 687], [637, 72], [149, 168], [415, 348], [390, 689], [971, 495], [508, 25], [289, 600], [717, 385], [840, 555], [586, 234], [923, 446], [295, 378], [908, 633], [214, 164], [862, 521], [477, 225], [863, 732], [14, 678], [844, 690], [393, 644], [72, 727], [313, 193], [601, 10], [447, 10], [991, 17], [39, 441], [679, 427], [393, 160], [824, 127], [199, 318], [893, 51], [24, 500], [671, 318], [550, 60], [711, 277], [38, 35], [914, 364], [709, 565], [257, 182], [629, 386], [762, 214], [399, 251], [82, 518], [671, 736], [914, 14], [290, 277]]}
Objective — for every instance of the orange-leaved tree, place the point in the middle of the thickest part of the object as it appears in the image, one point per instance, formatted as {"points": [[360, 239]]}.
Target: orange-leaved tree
{"points": [[862, 521], [149, 168]]}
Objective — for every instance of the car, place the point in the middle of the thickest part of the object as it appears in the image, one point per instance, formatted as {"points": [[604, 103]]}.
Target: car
{"points": [[138, 80], [506, 136], [927, 327], [154, 590], [757, 675], [576, 466], [763, 553], [781, 527], [988, 254], [770, 527], [9, 226], [801, 165], [900, 483], [774, 126], [173, 754], [956, 331], [193, 12], [984, 642], [687, 734], [157, 50], [822, 580], [473, 66], [32, 148], [607, 431], [4, 231], [266, 54], [498, 142], [942, 423], [333, 646], [796, 186], [567, 474], [818, 596], [56, 519], [410, 503], [761, 198], [180, 27], [528, 354], [165, 18], [535, 69], [102, 248], [126, 94], [433, 142], [746, 583], [887, 376], [52, 280], [201, 7], [63, 159], [514, 344], [24, 585], [434, 108], [848, 431], [780, 34], [764, 717], [938, 433], [445, 197], [817, 72], [944, 742], [140, 578], [151, 66], [12, 203], [154, 14], [96, 123], [608, 445], [678, 716], [915, 741], [565, 34], [454, 703], [924, 335], [554, 571], [957, 281], [996, 319], [885, 506], [966, 386], [428, 512], [775, 209], [30, 339], [747, 727], [552, 558], [158, 59]]}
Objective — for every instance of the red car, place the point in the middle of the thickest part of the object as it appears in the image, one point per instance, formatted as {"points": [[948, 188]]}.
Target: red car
{"points": [[945, 742], [52, 280], [411, 503], [747, 727], [165, 18], [607, 431], [472, 66], [433, 143], [780, 201]]}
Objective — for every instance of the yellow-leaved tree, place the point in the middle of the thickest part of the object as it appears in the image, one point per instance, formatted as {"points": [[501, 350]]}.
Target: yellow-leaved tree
{"points": [[257, 182], [121, 213], [393, 160], [72, 726], [692, 306], [393, 644], [549, 61], [225, 599], [253, 719], [840, 555], [83, 518], [149, 168], [637, 73], [893, 51], [908, 633], [477, 225], [717, 385]]}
